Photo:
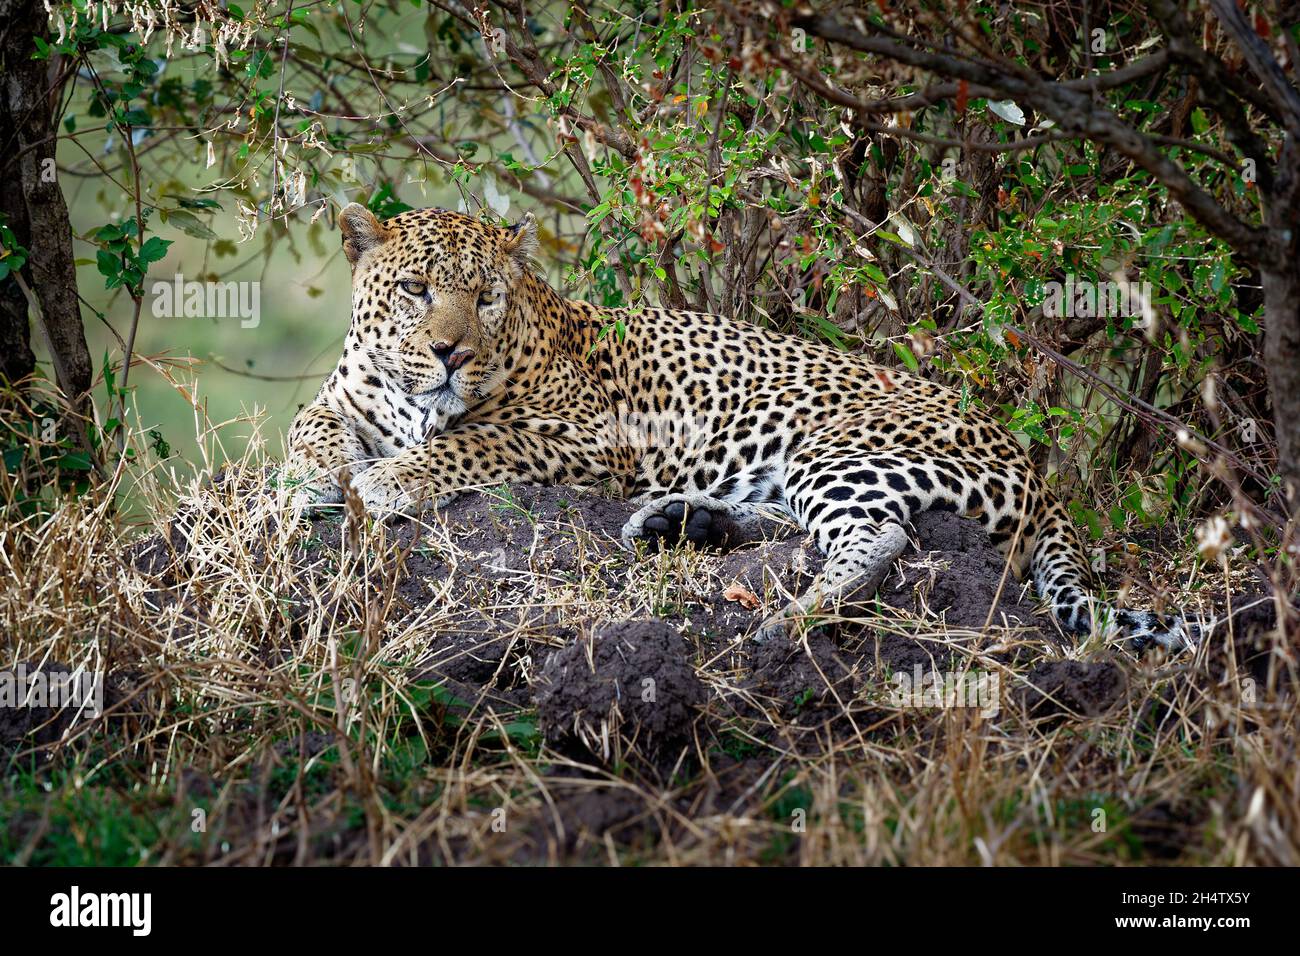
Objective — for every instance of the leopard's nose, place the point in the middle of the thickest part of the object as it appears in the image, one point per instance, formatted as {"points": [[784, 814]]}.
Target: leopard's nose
{"points": [[458, 358], [451, 356]]}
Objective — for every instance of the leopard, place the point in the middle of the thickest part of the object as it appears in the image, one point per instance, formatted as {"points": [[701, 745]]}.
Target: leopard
{"points": [[463, 369]]}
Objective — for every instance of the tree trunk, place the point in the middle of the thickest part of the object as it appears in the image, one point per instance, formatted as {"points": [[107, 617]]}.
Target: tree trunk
{"points": [[1282, 359], [30, 91], [16, 358], [1282, 318]]}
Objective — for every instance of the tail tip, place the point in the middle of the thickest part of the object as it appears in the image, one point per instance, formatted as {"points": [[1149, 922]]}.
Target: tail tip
{"points": [[1171, 632]]}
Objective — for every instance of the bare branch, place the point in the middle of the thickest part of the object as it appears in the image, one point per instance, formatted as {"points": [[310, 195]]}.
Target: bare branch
{"points": [[1261, 62]]}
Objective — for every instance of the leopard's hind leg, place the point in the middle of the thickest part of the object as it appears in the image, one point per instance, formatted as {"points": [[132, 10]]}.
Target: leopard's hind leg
{"points": [[855, 506], [854, 569], [856, 503]]}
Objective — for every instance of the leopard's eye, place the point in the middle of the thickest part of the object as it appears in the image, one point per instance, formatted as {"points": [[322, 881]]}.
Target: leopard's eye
{"points": [[489, 297], [414, 288]]}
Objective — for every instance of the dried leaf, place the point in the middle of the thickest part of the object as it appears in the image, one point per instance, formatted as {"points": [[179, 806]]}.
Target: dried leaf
{"points": [[743, 595]]}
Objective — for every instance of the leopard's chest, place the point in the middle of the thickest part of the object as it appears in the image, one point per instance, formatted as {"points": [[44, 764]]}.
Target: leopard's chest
{"points": [[387, 421]]}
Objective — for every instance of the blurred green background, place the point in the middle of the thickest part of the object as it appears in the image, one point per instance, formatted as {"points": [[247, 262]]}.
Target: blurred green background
{"points": [[270, 368]]}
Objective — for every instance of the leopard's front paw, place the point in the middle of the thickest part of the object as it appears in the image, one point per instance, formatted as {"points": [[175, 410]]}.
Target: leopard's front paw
{"points": [[383, 492], [314, 499], [306, 490]]}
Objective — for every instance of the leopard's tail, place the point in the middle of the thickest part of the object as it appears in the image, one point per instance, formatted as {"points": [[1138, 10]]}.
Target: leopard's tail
{"points": [[1063, 576]]}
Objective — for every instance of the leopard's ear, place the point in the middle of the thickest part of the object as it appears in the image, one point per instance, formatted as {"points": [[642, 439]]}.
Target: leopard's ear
{"points": [[361, 231], [521, 240]]}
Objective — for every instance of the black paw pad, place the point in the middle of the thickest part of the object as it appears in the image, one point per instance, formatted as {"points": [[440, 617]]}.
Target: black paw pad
{"points": [[679, 522]]}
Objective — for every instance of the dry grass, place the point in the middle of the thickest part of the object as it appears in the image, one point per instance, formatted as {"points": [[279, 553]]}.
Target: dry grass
{"points": [[279, 703]]}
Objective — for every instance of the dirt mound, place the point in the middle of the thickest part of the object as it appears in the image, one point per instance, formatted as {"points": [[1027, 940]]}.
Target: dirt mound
{"points": [[1072, 687], [503, 578], [811, 680], [525, 600], [31, 714], [632, 686], [957, 572]]}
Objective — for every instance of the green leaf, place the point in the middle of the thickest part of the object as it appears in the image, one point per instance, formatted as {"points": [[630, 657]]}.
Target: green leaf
{"points": [[75, 461], [906, 355], [190, 224], [154, 248], [108, 264]]}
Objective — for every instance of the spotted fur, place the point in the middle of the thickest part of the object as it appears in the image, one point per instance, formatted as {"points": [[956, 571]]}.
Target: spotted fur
{"points": [[462, 369]]}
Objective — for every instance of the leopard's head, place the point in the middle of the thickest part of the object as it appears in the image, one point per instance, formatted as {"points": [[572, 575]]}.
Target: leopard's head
{"points": [[431, 291]]}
